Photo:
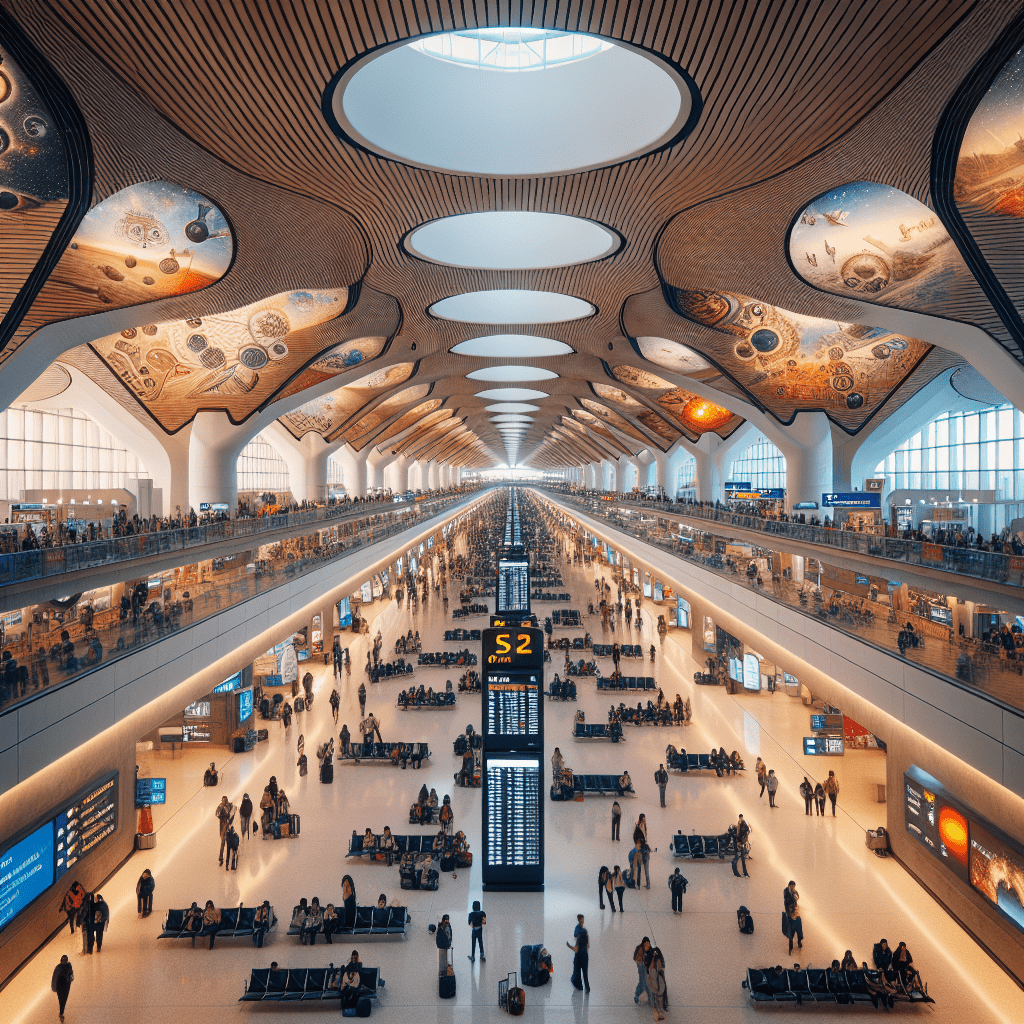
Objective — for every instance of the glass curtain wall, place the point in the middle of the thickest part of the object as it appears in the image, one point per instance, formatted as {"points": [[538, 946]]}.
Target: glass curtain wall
{"points": [[261, 469], [762, 465]]}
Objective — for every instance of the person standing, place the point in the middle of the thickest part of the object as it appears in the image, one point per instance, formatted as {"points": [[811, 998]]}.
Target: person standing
{"points": [[443, 941], [245, 815], [337, 656], [144, 890], [742, 849], [477, 920], [72, 903], [335, 701], [223, 814], [773, 786], [661, 778], [762, 775], [85, 922], [231, 864], [618, 884], [602, 885], [362, 699], [793, 927], [807, 792], [100, 921], [581, 960], [616, 819], [819, 799], [790, 897], [63, 975], [609, 889], [657, 989], [677, 883], [640, 955], [346, 741], [831, 788]]}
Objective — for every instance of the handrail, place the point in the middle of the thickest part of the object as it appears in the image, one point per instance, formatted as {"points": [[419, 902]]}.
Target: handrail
{"points": [[993, 566], [23, 566]]}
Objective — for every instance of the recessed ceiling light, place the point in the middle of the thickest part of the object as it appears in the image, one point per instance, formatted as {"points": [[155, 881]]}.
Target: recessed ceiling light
{"points": [[501, 346], [511, 395], [512, 306], [507, 373], [511, 240]]}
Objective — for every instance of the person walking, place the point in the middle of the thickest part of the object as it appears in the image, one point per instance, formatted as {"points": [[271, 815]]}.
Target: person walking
{"points": [[337, 656], [618, 884], [245, 815], [362, 699], [72, 903], [807, 792], [609, 889], [657, 989], [233, 840], [100, 921], [224, 815], [790, 897], [85, 922], [63, 975], [602, 886], [144, 891], [742, 849], [346, 741], [616, 819], [773, 786], [677, 884], [793, 927], [762, 775], [335, 702], [819, 799], [831, 788], [661, 778], [477, 920], [640, 955], [581, 960]]}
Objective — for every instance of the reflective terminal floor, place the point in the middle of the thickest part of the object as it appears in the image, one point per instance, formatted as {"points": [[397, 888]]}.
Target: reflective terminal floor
{"points": [[849, 897]]}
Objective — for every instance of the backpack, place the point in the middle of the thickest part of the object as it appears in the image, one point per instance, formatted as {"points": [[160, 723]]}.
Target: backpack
{"points": [[443, 938]]}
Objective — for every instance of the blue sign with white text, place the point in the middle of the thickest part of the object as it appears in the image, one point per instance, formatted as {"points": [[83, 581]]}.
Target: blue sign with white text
{"points": [[858, 499]]}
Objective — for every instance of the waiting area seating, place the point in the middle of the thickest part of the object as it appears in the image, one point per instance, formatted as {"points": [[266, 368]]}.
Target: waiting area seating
{"points": [[461, 636], [235, 922], [302, 984], [714, 762], [412, 876], [566, 618], [446, 659], [415, 699], [539, 595], [704, 847], [562, 690], [626, 683], [820, 985], [598, 731], [625, 651], [423, 844], [390, 669], [566, 643], [569, 786], [388, 753], [369, 921]]}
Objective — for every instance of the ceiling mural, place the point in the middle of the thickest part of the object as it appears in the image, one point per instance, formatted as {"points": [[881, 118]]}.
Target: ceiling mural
{"points": [[874, 242], [424, 425], [34, 182], [787, 362], [361, 431], [233, 361], [420, 412], [328, 413], [648, 418], [339, 359], [614, 419], [593, 422], [696, 415]]}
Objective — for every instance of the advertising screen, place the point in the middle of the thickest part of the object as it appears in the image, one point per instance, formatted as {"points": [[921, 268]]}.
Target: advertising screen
{"points": [[709, 634], [854, 499], [832, 746], [229, 684], [244, 705], [198, 709], [26, 872], [997, 872], [751, 672], [938, 824], [659, 593], [682, 613], [345, 612]]}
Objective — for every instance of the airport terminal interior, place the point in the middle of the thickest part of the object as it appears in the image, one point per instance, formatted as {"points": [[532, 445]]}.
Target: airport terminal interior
{"points": [[532, 496]]}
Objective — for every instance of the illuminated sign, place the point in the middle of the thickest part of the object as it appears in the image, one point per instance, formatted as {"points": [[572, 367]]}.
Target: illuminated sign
{"points": [[857, 499], [830, 745], [150, 791], [245, 705]]}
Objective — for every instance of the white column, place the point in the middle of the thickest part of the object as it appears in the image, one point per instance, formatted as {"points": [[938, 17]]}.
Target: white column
{"points": [[808, 450], [590, 473]]}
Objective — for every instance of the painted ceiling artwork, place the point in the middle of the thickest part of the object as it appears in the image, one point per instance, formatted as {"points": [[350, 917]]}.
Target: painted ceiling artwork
{"points": [[874, 242], [990, 166], [339, 359], [651, 420], [360, 432], [593, 422], [422, 412], [695, 414], [616, 420], [327, 414], [786, 362], [233, 361], [33, 179]]}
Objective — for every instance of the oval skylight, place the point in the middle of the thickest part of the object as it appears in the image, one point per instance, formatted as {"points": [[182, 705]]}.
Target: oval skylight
{"points": [[512, 407], [542, 106], [512, 306], [511, 418], [511, 240], [501, 346], [507, 373], [511, 395]]}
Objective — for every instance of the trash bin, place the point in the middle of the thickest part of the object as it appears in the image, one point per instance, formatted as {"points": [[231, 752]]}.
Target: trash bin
{"points": [[145, 840], [881, 792]]}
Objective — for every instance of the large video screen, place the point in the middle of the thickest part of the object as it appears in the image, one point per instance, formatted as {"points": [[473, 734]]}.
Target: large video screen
{"points": [[997, 872], [52, 847]]}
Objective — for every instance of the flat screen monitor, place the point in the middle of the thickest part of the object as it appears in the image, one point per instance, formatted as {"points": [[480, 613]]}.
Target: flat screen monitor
{"points": [[150, 791], [513, 826], [245, 706], [831, 746]]}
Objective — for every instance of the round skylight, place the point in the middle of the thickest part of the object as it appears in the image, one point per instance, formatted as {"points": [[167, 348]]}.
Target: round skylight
{"points": [[511, 240], [512, 407], [506, 373], [511, 395], [512, 306], [461, 102]]}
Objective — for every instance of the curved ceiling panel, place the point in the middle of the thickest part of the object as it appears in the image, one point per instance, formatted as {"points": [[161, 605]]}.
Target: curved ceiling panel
{"points": [[407, 103], [512, 407], [512, 240], [233, 361], [512, 306]]}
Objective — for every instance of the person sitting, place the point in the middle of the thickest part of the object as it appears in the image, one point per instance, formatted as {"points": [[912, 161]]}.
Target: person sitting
{"points": [[424, 796], [382, 902], [432, 800], [745, 921], [439, 840], [369, 840], [388, 845], [625, 783], [261, 924], [903, 965], [882, 955], [192, 922], [211, 921], [330, 922], [848, 964], [312, 924], [351, 980]]}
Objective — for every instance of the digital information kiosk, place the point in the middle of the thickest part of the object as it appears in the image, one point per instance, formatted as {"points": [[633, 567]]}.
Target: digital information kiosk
{"points": [[513, 752]]}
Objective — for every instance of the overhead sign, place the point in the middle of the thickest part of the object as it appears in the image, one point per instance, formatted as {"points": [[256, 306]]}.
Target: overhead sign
{"points": [[876, 484], [856, 499], [828, 745], [746, 495], [805, 505], [738, 485]]}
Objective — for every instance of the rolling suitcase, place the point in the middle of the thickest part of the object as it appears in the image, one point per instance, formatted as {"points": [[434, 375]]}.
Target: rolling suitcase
{"points": [[293, 824], [300, 705], [446, 977], [327, 773]]}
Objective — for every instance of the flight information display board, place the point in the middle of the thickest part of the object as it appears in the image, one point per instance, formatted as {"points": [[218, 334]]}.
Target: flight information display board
{"points": [[51, 848], [513, 680], [513, 585], [513, 837], [513, 706], [830, 745]]}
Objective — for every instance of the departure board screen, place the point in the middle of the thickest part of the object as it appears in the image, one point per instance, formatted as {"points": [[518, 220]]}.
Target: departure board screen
{"points": [[514, 832], [513, 585], [513, 706]]}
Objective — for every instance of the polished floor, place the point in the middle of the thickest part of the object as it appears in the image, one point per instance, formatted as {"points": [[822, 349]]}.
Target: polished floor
{"points": [[849, 897]]}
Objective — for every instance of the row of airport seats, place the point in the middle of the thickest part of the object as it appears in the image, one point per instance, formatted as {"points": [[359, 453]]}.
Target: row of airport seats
{"points": [[562, 690], [599, 731], [311, 984], [458, 636], [391, 753], [684, 762], [821, 985], [403, 844], [625, 650], [626, 683], [538, 595], [441, 699], [444, 659], [566, 618], [703, 847], [564, 643], [369, 921], [235, 922], [595, 785]]}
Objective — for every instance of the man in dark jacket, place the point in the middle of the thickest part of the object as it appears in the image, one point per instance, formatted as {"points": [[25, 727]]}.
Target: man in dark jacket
{"points": [[661, 778], [100, 920]]}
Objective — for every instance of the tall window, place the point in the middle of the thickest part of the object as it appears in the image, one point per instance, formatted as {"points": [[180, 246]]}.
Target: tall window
{"points": [[762, 464], [686, 481], [261, 469], [60, 449], [335, 472]]}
